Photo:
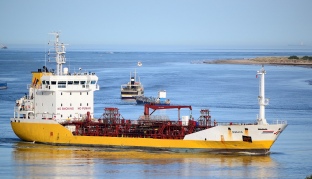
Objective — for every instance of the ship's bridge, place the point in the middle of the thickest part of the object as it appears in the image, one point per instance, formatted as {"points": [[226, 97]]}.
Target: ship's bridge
{"points": [[71, 82]]}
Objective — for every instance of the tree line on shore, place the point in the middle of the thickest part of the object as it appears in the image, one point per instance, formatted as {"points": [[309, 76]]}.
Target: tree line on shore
{"points": [[302, 58]]}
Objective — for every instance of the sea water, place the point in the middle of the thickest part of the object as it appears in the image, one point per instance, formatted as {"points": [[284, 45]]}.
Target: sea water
{"points": [[230, 92]]}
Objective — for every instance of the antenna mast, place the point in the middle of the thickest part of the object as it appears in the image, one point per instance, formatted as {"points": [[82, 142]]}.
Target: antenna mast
{"points": [[261, 98], [60, 54]]}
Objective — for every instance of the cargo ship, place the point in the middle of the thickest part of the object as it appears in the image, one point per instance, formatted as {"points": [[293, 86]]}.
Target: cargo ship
{"points": [[59, 110]]}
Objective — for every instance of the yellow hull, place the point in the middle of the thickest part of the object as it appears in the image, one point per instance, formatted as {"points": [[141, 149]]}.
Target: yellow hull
{"points": [[57, 134]]}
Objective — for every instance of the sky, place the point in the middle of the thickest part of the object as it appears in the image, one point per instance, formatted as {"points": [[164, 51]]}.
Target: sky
{"points": [[152, 24]]}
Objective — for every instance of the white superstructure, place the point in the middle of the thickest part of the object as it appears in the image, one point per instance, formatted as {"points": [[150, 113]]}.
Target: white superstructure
{"points": [[58, 95]]}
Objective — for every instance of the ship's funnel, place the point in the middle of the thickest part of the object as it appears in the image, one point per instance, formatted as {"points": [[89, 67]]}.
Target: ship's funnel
{"points": [[132, 81]]}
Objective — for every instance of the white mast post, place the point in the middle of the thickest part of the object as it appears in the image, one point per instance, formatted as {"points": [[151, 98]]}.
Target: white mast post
{"points": [[60, 54], [261, 98]]}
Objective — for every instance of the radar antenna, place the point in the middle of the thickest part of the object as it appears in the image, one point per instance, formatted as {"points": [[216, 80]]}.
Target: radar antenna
{"points": [[60, 53]]}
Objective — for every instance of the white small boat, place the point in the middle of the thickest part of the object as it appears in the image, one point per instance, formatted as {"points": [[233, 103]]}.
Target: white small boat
{"points": [[3, 46], [160, 100]]}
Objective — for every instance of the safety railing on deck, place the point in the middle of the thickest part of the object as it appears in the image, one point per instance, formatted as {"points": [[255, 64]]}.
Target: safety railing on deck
{"points": [[234, 123], [279, 122]]}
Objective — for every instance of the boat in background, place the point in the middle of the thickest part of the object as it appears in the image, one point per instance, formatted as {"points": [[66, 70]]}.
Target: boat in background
{"points": [[160, 100], [132, 89], [3, 85], [3, 46]]}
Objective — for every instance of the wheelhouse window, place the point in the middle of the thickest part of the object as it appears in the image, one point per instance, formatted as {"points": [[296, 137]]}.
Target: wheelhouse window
{"points": [[83, 84], [62, 84]]}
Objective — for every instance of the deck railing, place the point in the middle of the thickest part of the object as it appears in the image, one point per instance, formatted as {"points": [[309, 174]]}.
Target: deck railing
{"points": [[279, 122]]}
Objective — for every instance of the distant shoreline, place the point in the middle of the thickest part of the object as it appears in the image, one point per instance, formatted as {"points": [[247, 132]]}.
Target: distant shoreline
{"points": [[264, 61]]}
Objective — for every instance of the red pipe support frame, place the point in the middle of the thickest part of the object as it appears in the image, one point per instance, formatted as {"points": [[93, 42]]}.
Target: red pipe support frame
{"points": [[155, 107]]}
